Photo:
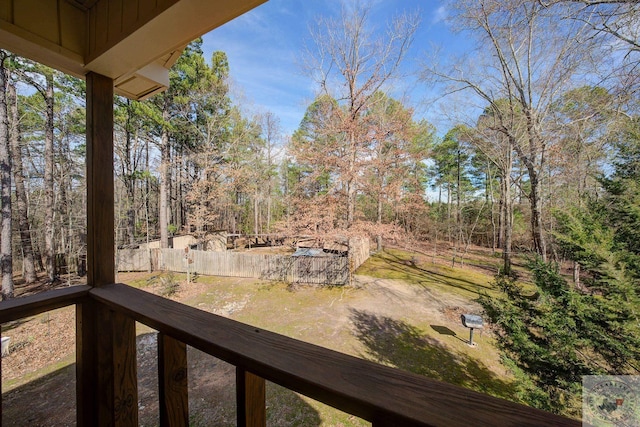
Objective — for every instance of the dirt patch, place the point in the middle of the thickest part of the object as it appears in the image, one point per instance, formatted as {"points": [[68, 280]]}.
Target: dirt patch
{"points": [[38, 342], [42, 340], [388, 295]]}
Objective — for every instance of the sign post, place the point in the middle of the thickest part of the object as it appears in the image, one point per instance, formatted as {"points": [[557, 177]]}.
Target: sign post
{"points": [[187, 261]]}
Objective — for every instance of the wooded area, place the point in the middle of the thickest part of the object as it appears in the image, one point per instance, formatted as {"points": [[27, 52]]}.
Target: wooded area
{"points": [[545, 160]]}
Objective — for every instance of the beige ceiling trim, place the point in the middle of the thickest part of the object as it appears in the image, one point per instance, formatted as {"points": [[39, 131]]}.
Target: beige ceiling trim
{"points": [[167, 32], [29, 45], [172, 57], [144, 83]]}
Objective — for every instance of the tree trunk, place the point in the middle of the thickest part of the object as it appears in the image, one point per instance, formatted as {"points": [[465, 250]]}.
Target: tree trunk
{"points": [[458, 201], [269, 207], [22, 207], [508, 226], [6, 260], [539, 244], [147, 188], [351, 185], [49, 204], [576, 275], [129, 179], [490, 199], [379, 222], [256, 208], [506, 215], [501, 215], [171, 213], [450, 236], [269, 186], [164, 183], [63, 201]]}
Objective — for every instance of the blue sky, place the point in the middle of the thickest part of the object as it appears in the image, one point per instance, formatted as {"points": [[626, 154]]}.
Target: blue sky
{"points": [[265, 45]]}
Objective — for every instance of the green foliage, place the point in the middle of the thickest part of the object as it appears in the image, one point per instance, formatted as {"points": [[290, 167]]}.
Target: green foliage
{"points": [[543, 339], [552, 337], [564, 331], [452, 162]]}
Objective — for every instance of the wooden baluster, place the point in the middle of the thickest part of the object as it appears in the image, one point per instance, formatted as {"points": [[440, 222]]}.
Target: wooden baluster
{"points": [[250, 399], [107, 388], [123, 368], [172, 382], [86, 364]]}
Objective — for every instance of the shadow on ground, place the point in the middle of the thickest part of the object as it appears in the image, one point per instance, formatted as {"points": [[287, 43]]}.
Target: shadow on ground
{"points": [[397, 343], [420, 275], [50, 400], [407, 270], [47, 401], [443, 330]]}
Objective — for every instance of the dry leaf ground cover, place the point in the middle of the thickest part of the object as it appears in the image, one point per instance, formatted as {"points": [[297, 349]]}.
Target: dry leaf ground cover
{"points": [[403, 311]]}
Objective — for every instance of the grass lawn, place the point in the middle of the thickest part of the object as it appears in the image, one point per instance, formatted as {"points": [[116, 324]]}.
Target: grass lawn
{"points": [[402, 310], [404, 326], [420, 270]]}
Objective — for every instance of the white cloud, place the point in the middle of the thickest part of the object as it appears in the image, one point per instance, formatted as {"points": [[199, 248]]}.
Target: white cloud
{"points": [[439, 15]]}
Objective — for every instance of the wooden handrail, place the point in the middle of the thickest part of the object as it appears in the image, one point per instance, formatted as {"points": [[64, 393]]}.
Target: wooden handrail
{"points": [[380, 394], [19, 308]]}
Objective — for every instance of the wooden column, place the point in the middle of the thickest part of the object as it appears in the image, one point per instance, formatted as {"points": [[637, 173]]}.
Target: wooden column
{"points": [[250, 399], [172, 382], [106, 390], [100, 198]]}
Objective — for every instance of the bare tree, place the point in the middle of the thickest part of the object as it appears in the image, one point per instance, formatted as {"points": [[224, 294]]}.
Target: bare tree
{"points": [[6, 258], [165, 176], [350, 63], [28, 260], [498, 148], [271, 134], [49, 230], [617, 18], [33, 74], [527, 56]]}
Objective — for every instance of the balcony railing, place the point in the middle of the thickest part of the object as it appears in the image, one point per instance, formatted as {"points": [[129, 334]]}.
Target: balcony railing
{"points": [[106, 367]]}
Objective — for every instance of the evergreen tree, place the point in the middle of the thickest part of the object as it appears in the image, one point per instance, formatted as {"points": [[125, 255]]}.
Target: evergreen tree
{"points": [[554, 335]]}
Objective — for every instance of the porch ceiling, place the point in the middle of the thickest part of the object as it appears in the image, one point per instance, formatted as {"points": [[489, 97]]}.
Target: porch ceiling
{"points": [[134, 42]]}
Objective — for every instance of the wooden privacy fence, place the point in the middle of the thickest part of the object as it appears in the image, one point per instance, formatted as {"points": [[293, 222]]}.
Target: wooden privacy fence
{"points": [[331, 270], [358, 251], [135, 259]]}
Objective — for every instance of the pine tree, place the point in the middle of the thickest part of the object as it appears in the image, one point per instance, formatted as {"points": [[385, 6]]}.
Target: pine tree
{"points": [[557, 333]]}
